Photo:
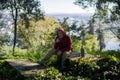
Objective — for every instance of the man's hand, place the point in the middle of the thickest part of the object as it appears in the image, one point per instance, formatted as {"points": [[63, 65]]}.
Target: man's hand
{"points": [[59, 53], [57, 40]]}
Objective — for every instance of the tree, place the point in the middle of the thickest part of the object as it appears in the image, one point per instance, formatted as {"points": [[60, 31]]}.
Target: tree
{"points": [[38, 35], [91, 27], [65, 24], [112, 6], [100, 38], [105, 9], [21, 10], [4, 29]]}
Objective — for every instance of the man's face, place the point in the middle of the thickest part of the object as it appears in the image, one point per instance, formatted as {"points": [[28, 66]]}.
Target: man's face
{"points": [[60, 34]]}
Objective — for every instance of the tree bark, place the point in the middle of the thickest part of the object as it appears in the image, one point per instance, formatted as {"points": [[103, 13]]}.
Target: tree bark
{"points": [[15, 29]]}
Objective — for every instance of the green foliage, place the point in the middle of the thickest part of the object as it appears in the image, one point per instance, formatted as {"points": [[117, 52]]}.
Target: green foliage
{"points": [[89, 40], [109, 69], [102, 69], [73, 78], [106, 11], [3, 39], [24, 9], [84, 68], [115, 55], [76, 43], [35, 41], [8, 73], [107, 7], [54, 74], [38, 38], [65, 24], [20, 7], [36, 55], [49, 74], [91, 43], [6, 52], [39, 34]]}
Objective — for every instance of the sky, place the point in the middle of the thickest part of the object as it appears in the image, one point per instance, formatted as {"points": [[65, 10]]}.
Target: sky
{"points": [[62, 6]]}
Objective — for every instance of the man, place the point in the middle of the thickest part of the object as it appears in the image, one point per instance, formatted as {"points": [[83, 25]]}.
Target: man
{"points": [[62, 47]]}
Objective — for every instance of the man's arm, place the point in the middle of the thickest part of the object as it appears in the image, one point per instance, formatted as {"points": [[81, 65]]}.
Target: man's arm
{"points": [[56, 44]]}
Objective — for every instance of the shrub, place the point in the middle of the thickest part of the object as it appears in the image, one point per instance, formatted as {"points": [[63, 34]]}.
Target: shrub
{"points": [[49, 74], [8, 73]]}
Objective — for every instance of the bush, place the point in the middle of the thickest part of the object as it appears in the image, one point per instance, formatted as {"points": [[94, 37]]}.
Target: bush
{"points": [[6, 52], [8, 73], [102, 69], [49, 74], [109, 69]]}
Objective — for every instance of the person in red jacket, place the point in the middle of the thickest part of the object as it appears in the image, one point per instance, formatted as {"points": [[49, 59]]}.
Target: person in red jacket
{"points": [[62, 47]]}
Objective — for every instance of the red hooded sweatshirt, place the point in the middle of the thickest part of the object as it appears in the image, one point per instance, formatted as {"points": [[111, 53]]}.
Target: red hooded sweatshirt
{"points": [[65, 43]]}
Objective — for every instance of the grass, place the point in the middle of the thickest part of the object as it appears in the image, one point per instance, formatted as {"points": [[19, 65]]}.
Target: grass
{"points": [[108, 54], [84, 67]]}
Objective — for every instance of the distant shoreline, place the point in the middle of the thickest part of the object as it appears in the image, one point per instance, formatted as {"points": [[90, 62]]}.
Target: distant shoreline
{"points": [[69, 14]]}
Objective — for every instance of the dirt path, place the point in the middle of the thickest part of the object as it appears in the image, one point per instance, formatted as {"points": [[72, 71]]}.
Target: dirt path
{"points": [[26, 67]]}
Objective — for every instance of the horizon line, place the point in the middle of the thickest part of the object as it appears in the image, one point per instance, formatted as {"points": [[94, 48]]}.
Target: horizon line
{"points": [[67, 13]]}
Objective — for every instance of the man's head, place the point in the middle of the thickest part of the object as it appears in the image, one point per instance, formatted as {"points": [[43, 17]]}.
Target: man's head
{"points": [[60, 32]]}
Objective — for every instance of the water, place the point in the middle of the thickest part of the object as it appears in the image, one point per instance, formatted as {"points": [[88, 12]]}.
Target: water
{"points": [[111, 41], [112, 44], [72, 17]]}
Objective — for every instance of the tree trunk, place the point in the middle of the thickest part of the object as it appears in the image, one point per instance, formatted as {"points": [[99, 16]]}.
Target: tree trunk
{"points": [[15, 29]]}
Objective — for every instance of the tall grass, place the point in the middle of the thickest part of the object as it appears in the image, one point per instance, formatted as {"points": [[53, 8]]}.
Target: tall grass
{"points": [[6, 53], [108, 54]]}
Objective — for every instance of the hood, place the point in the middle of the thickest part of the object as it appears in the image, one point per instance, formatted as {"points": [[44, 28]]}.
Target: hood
{"points": [[62, 30]]}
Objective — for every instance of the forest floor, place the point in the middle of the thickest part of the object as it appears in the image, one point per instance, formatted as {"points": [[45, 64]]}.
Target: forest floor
{"points": [[26, 67], [30, 69]]}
